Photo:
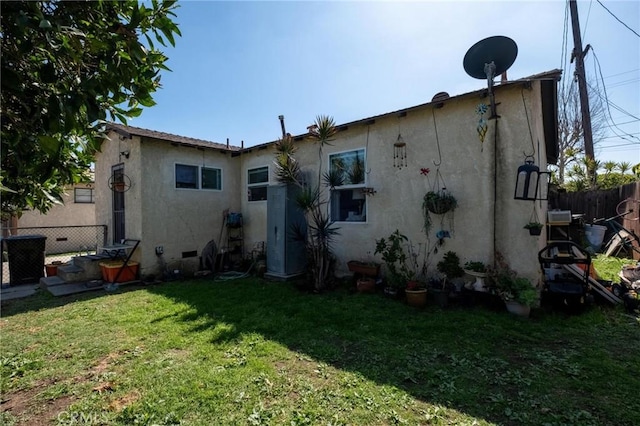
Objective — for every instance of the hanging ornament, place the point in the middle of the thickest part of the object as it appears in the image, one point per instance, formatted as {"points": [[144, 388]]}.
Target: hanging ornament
{"points": [[400, 153], [482, 126]]}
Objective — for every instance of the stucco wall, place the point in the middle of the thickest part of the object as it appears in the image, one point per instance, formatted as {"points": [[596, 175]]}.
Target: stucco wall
{"points": [[183, 220], [109, 156], [66, 214], [480, 175], [466, 166], [158, 213]]}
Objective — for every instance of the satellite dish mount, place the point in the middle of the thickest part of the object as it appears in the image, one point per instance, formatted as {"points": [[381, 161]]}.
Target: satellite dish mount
{"points": [[488, 58]]}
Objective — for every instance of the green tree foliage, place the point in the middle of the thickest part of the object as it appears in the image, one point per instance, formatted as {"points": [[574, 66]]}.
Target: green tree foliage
{"points": [[67, 67], [312, 200], [607, 175]]}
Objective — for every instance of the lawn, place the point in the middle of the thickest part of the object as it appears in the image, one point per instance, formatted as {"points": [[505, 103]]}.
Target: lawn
{"points": [[255, 353]]}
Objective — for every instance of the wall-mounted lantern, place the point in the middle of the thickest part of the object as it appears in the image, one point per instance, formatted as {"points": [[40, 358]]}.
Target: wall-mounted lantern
{"points": [[531, 183]]}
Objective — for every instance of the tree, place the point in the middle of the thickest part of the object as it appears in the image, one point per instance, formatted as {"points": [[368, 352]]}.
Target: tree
{"points": [[570, 130], [67, 67], [312, 200], [608, 175]]}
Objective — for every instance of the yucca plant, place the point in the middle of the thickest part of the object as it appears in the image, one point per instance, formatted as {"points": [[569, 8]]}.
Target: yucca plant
{"points": [[313, 201]]}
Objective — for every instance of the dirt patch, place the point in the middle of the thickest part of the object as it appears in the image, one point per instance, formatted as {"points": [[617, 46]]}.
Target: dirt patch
{"points": [[119, 404], [103, 364], [177, 353], [25, 406]]}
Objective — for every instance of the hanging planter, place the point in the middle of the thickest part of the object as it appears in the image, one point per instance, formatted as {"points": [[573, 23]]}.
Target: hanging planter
{"points": [[535, 228], [439, 202]]}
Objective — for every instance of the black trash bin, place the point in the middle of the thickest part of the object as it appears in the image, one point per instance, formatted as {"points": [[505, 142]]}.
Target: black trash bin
{"points": [[26, 258]]}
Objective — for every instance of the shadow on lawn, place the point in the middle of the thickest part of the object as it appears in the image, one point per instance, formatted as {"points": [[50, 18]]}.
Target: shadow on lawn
{"points": [[475, 361], [489, 365]]}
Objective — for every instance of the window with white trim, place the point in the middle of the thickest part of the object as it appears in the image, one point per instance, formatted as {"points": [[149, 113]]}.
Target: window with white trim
{"points": [[211, 178], [257, 182], [83, 195], [196, 177], [186, 176], [347, 171]]}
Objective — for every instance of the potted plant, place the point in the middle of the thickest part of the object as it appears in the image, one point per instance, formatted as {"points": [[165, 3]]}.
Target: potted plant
{"points": [[368, 269], [366, 285], [403, 268], [436, 202], [517, 292], [439, 202], [450, 267], [535, 228], [392, 251], [478, 270]]}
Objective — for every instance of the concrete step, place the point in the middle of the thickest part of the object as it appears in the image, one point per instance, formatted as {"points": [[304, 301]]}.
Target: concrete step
{"points": [[91, 265], [46, 282], [71, 273]]}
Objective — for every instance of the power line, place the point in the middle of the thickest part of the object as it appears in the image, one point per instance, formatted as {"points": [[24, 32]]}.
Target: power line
{"points": [[622, 73], [629, 142], [563, 51], [618, 19], [624, 83], [609, 103], [586, 22], [622, 124]]}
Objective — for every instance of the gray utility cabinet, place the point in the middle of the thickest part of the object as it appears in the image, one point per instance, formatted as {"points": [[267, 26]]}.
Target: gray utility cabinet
{"points": [[285, 255]]}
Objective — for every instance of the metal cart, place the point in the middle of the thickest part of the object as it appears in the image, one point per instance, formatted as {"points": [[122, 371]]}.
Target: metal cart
{"points": [[566, 268]]}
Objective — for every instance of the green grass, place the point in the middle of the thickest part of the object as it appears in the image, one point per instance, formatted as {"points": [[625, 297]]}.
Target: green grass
{"points": [[608, 268], [254, 353]]}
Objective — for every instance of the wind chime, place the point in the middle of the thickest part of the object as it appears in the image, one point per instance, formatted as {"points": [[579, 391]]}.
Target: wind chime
{"points": [[400, 153], [400, 147]]}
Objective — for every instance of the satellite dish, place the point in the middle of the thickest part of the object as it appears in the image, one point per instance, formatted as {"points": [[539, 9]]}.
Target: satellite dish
{"points": [[488, 58]]}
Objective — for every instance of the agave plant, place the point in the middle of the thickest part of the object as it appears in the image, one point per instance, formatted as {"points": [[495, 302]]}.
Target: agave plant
{"points": [[313, 201]]}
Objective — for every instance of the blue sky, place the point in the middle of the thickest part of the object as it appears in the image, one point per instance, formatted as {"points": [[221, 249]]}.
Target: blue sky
{"points": [[238, 65]]}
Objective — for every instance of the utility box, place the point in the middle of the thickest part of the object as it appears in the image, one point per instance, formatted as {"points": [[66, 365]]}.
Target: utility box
{"points": [[286, 255], [26, 258]]}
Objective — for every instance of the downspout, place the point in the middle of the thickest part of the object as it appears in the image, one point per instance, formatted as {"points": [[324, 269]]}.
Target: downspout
{"points": [[495, 190]]}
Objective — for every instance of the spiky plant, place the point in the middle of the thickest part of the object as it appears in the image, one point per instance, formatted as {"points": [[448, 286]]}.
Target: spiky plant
{"points": [[313, 201]]}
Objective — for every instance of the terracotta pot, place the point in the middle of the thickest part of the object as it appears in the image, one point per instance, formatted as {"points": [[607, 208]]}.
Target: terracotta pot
{"points": [[366, 285], [362, 268], [52, 270], [416, 298]]}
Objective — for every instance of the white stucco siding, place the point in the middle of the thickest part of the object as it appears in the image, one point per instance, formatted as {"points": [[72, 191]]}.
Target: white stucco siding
{"points": [[182, 220], [466, 166], [480, 175], [254, 212], [69, 213], [514, 142]]}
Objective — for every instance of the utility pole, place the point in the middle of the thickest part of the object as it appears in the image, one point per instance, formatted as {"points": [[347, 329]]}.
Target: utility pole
{"points": [[579, 54]]}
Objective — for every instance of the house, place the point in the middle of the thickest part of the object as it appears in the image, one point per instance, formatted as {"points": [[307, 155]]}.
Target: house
{"points": [[77, 209], [69, 226], [179, 187]]}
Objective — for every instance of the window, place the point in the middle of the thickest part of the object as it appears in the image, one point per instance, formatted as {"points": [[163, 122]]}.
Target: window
{"points": [[258, 180], [347, 171], [186, 176], [83, 195], [211, 178]]}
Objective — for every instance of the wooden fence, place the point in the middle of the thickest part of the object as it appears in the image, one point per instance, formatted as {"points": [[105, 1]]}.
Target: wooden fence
{"points": [[599, 204]]}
